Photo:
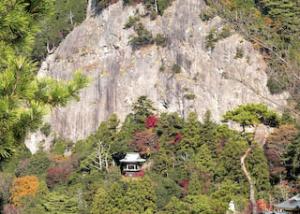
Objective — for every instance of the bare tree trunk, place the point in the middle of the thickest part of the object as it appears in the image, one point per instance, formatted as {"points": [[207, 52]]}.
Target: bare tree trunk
{"points": [[90, 11], [50, 50], [100, 155], [106, 162], [251, 183], [156, 6], [106, 158], [71, 16]]}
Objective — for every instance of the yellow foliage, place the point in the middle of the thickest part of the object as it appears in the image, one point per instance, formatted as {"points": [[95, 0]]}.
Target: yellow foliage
{"points": [[23, 187]]}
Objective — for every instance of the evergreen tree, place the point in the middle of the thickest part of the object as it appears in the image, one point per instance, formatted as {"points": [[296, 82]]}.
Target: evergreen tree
{"points": [[55, 203], [62, 18], [208, 131], [142, 109], [191, 133], [203, 160], [229, 161], [132, 196], [169, 125], [252, 114], [292, 159], [228, 191], [24, 98], [176, 206], [258, 166]]}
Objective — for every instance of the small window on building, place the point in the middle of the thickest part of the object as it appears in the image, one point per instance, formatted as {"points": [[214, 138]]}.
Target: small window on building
{"points": [[131, 166]]}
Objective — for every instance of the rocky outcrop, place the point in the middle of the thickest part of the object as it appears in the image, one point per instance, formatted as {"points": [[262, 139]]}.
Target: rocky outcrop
{"points": [[214, 80]]}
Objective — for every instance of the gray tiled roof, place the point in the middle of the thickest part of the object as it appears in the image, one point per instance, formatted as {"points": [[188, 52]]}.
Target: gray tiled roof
{"points": [[291, 204]]}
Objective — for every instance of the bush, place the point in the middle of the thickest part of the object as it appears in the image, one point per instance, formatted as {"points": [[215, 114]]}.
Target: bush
{"points": [[59, 146], [225, 32], [163, 5], [162, 67], [176, 68], [239, 53], [208, 14], [11, 209], [36, 165], [190, 96], [60, 174], [46, 129], [276, 85], [151, 121], [211, 39], [214, 36], [23, 187], [143, 38], [132, 21], [5, 183], [160, 40]]}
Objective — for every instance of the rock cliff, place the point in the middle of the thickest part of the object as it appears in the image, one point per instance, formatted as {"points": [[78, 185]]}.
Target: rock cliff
{"points": [[215, 80]]}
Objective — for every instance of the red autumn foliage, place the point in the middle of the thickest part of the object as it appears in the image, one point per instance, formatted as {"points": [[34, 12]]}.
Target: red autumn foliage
{"points": [[177, 139], [275, 148], [151, 121], [61, 172], [145, 142], [10, 209], [56, 175], [184, 184]]}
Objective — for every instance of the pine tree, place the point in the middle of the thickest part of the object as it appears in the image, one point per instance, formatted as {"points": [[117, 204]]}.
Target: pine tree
{"points": [[251, 115], [24, 98], [142, 109], [258, 167], [132, 196], [191, 133], [203, 160], [55, 202], [292, 159]]}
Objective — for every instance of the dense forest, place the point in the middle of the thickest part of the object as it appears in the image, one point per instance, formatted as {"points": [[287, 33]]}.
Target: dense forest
{"points": [[192, 166]]}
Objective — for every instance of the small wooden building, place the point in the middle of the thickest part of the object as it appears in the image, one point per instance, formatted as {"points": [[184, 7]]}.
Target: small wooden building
{"points": [[132, 165], [291, 205]]}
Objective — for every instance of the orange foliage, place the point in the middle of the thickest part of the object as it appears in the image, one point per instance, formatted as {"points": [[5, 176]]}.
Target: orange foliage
{"points": [[59, 158], [23, 187], [262, 205], [268, 21]]}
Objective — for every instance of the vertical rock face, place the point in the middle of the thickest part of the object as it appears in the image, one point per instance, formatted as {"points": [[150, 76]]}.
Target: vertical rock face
{"points": [[213, 80]]}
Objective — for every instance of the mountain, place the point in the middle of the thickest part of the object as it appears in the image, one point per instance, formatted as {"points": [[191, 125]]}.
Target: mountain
{"points": [[186, 73]]}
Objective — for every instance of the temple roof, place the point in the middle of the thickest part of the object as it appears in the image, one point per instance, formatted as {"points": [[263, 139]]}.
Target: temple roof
{"points": [[132, 158], [291, 204]]}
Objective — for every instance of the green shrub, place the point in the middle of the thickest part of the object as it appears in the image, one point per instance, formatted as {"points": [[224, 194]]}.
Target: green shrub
{"points": [[214, 36], [176, 68], [46, 129], [190, 96], [160, 40], [208, 14], [59, 147], [143, 38], [132, 21], [225, 32], [211, 39], [163, 5], [239, 53], [36, 165], [162, 67], [276, 85]]}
